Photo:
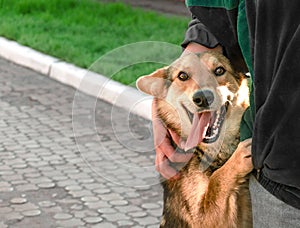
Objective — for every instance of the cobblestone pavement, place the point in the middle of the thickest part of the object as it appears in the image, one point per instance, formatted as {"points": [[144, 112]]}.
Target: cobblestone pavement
{"points": [[90, 169]]}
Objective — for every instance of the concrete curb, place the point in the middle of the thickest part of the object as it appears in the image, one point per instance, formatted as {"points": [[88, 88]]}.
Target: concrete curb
{"points": [[83, 80]]}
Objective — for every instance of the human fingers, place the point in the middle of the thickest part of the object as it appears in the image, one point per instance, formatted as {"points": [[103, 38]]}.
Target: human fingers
{"points": [[165, 147], [163, 167], [163, 142]]}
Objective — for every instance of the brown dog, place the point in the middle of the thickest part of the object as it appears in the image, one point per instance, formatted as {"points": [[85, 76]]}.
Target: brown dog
{"points": [[202, 97]]}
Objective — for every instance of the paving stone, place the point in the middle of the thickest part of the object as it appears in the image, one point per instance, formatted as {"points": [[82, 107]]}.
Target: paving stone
{"points": [[153, 226], [128, 208], [68, 201], [4, 167], [7, 173], [6, 189], [40, 180], [126, 223], [38, 164], [31, 213], [132, 195], [118, 202], [102, 191], [144, 188], [62, 216], [111, 196], [32, 175], [115, 217], [81, 193], [4, 184], [4, 210], [90, 199], [150, 205], [46, 185], [47, 204], [93, 186], [107, 210], [59, 178], [15, 216], [52, 210], [20, 166], [124, 177], [85, 213], [44, 168], [12, 160], [147, 221], [155, 212], [92, 220], [19, 182], [96, 205], [79, 176], [85, 181], [26, 187], [18, 200], [57, 162], [24, 207], [122, 189], [104, 225], [74, 222], [2, 225], [52, 173], [138, 214], [76, 207], [73, 187], [67, 182]]}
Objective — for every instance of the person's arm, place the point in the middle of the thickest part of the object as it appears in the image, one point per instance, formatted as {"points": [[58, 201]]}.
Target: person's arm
{"points": [[198, 33]]}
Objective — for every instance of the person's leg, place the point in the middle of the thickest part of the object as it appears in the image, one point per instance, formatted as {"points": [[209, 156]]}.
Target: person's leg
{"points": [[268, 211]]}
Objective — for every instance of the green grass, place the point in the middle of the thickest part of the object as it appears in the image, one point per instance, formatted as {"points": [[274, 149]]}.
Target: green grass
{"points": [[82, 31]]}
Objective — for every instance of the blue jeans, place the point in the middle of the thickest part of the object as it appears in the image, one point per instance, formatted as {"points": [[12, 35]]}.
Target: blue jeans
{"points": [[268, 211]]}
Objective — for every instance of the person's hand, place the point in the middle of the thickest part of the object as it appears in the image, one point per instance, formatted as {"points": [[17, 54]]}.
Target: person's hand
{"points": [[165, 152]]}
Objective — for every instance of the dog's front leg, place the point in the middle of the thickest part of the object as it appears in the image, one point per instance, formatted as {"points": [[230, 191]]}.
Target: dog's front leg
{"points": [[220, 201]]}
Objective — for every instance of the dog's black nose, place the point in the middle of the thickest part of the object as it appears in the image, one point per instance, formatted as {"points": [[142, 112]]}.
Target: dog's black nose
{"points": [[203, 98]]}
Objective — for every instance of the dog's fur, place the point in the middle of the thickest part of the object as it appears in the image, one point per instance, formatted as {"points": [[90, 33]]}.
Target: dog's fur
{"points": [[208, 193]]}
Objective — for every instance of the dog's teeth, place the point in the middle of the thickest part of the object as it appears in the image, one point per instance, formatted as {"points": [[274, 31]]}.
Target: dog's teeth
{"points": [[216, 131], [214, 128]]}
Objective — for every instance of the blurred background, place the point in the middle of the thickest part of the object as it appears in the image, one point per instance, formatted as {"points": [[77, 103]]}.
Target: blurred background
{"points": [[81, 31]]}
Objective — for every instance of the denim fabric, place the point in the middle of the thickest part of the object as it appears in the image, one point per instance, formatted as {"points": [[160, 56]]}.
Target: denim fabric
{"points": [[268, 211]]}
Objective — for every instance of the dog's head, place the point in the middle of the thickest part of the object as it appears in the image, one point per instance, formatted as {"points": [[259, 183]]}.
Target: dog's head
{"points": [[196, 95]]}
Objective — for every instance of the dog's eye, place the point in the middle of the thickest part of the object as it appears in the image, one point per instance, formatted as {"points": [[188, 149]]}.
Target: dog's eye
{"points": [[219, 71], [182, 76]]}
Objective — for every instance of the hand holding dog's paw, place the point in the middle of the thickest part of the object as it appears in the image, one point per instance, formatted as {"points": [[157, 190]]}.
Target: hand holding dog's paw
{"points": [[241, 161]]}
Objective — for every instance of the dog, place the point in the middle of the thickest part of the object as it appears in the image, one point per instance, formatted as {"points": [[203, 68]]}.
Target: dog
{"points": [[202, 91]]}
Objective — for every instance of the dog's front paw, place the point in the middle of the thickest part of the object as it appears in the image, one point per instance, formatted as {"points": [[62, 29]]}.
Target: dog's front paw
{"points": [[240, 163]]}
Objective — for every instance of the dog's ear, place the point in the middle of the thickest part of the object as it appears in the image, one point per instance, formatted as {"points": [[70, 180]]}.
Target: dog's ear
{"points": [[154, 84]]}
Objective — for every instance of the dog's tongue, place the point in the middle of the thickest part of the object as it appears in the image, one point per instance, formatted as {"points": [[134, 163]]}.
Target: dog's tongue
{"points": [[198, 131]]}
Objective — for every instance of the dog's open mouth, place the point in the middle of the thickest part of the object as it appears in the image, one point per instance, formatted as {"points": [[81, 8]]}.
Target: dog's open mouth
{"points": [[215, 125], [206, 126]]}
